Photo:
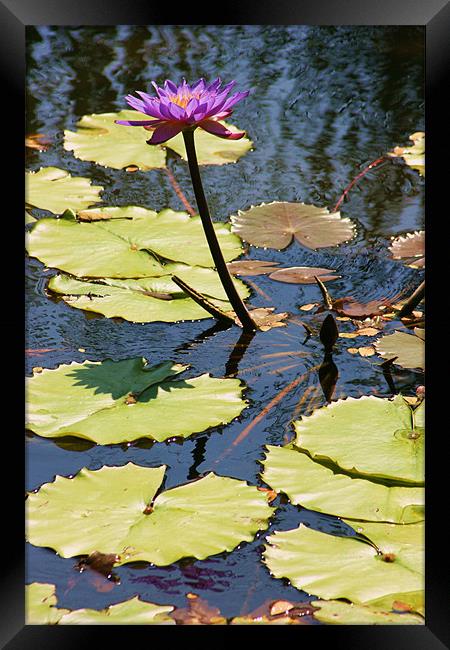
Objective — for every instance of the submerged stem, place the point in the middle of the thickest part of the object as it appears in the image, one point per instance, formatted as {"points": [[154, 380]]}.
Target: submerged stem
{"points": [[220, 264]]}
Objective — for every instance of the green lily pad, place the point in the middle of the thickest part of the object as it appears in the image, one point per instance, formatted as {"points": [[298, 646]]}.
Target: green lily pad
{"points": [[134, 243], [314, 486], [99, 139], [40, 605], [130, 612], [337, 612], [368, 436], [409, 349], [348, 567], [210, 149], [56, 190], [113, 402], [275, 225], [147, 299], [114, 510]]}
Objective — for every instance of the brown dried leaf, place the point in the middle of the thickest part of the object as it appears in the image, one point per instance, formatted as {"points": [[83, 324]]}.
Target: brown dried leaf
{"points": [[89, 215], [349, 307], [308, 307], [266, 320], [251, 267], [274, 225], [366, 351], [271, 495], [302, 275], [38, 141], [277, 612], [198, 612], [100, 562]]}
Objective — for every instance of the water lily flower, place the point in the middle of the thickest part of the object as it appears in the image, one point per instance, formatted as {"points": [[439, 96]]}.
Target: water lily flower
{"points": [[185, 107]]}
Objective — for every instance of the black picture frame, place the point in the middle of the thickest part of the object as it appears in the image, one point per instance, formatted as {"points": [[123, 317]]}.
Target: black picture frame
{"points": [[434, 15]]}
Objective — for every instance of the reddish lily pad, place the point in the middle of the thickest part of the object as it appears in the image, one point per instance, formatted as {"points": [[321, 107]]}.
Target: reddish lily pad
{"points": [[274, 225], [302, 275], [251, 267], [410, 248]]}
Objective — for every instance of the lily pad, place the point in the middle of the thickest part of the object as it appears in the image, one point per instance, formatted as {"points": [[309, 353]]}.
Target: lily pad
{"points": [[113, 402], [130, 612], [115, 510], [56, 190], [368, 436], [251, 267], [302, 275], [336, 612], [99, 139], [210, 149], [134, 243], [409, 248], [408, 349], [414, 156], [314, 486], [40, 605], [274, 225], [348, 567], [147, 299]]}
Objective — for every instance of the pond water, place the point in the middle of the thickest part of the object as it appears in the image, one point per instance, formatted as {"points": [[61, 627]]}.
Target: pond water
{"points": [[324, 103]]}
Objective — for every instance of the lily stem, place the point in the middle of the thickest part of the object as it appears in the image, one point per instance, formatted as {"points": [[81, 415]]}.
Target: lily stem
{"points": [[220, 264]]}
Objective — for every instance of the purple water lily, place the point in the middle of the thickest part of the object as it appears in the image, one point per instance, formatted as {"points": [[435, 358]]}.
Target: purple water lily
{"points": [[177, 108]]}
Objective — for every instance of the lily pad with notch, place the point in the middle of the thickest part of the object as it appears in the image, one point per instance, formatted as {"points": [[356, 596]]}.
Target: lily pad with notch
{"points": [[122, 510], [275, 225], [99, 139], [133, 243], [381, 562], [367, 436], [312, 485], [112, 402], [146, 300]]}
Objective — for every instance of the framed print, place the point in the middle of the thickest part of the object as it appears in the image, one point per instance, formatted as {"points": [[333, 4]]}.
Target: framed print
{"points": [[225, 322]]}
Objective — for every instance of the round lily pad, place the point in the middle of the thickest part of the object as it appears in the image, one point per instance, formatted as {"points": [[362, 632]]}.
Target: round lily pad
{"points": [[410, 248], [349, 567], [40, 605], [368, 436], [130, 612], [133, 243], [275, 225], [115, 510], [99, 139], [309, 484], [302, 275], [336, 612], [147, 299], [409, 349], [210, 149], [56, 190], [112, 402]]}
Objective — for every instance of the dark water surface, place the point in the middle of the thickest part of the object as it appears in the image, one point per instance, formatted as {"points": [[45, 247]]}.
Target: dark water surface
{"points": [[324, 102]]}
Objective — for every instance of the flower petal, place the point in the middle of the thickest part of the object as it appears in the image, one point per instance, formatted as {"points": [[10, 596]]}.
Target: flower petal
{"points": [[218, 129], [165, 132]]}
